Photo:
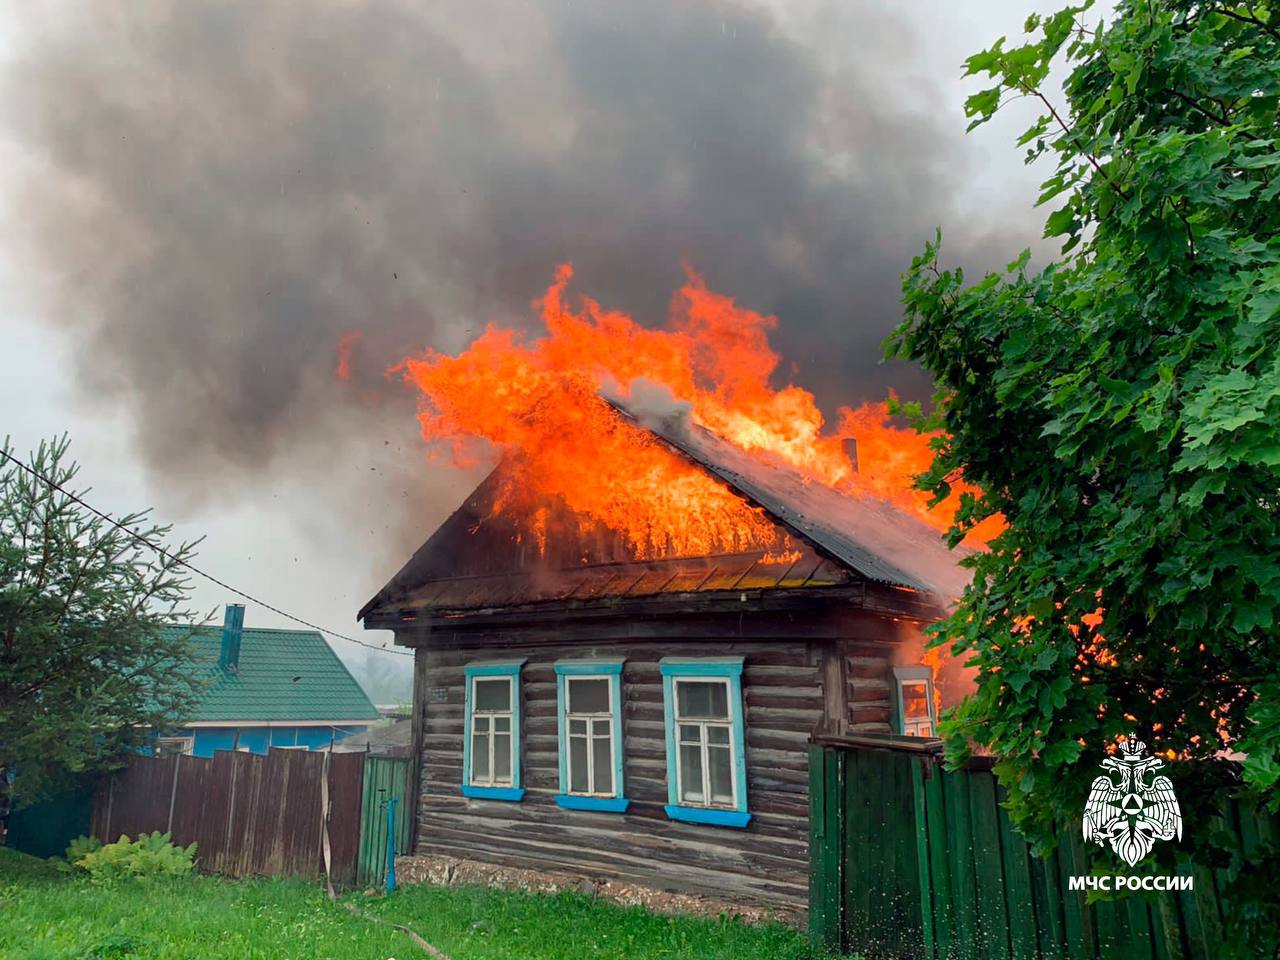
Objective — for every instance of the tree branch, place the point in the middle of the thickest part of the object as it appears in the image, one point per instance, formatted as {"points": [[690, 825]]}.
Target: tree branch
{"points": [[1249, 18]]}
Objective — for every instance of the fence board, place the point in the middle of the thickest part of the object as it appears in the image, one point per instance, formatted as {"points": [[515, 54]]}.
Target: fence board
{"points": [[913, 860], [385, 778], [247, 814]]}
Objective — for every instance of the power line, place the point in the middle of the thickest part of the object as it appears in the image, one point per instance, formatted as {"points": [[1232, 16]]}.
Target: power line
{"points": [[190, 566]]}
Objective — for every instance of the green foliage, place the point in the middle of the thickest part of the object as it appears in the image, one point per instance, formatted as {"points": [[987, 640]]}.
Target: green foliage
{"points": [[85, 672], [1121, 409], [79, 848], [150, 857]]}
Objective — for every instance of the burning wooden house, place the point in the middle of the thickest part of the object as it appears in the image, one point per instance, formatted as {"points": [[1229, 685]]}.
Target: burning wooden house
{"points": [[588, 704]]}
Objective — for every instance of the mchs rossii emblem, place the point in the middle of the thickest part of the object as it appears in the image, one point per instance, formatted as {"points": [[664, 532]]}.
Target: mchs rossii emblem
{"points": [[1131, 806]]}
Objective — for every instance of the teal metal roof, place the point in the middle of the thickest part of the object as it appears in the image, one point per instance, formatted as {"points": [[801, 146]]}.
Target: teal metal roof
{"points": [[283, 675]]}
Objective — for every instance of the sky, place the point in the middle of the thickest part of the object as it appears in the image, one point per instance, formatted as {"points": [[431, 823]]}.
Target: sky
{"points": [[200, 198]]}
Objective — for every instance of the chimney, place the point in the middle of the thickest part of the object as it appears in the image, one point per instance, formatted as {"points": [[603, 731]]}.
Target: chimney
{"points": [[851, 448], [232, 628]]}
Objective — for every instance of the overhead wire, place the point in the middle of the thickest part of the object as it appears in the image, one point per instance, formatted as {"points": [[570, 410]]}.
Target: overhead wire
{"points": [[173, 558]]}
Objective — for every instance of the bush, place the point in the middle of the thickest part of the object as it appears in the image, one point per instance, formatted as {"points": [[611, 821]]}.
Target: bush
{"points": [[151, 857], [80, 846]]}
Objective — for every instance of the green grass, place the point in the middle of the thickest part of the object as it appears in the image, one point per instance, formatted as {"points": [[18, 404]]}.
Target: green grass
{"points": [[48, 915]]}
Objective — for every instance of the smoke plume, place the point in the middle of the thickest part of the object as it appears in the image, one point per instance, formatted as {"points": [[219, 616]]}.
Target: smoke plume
{"points": [[214, 193]]}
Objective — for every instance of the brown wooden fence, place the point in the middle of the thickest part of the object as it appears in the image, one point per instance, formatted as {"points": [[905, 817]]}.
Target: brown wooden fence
{"points": [[909, 860], [248, 814]]}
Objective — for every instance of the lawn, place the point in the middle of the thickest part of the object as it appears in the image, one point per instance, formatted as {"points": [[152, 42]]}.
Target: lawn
{"points": [[46, 915]]}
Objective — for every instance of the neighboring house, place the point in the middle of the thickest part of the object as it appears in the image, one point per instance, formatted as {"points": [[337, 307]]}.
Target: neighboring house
{"points": [[648, 721], [267, 688]]}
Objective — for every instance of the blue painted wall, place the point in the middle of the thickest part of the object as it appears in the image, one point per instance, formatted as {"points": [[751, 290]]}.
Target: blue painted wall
{"points": [[260, 739]]}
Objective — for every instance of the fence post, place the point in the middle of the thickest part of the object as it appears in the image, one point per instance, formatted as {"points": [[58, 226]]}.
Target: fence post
{"points": [[391, 844], [173, 792]]}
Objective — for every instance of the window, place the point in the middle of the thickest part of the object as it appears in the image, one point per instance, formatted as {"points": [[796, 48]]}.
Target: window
{"points": [[706, 749], [491, 746], [168, 746], [589, 711], [915, 714]]}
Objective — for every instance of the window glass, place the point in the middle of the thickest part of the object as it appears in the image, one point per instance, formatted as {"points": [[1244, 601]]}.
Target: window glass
{"points": [[579, 782], [502, 758], [588, 694], [915, 700], [493, 695], [602, 761], [691, 773], [721, 771], [479, 757], [702, 699]]}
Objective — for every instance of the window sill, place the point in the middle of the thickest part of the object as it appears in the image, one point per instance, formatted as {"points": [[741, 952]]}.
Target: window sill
{"points": [[604, 804], [513, 794], [708, 815]]}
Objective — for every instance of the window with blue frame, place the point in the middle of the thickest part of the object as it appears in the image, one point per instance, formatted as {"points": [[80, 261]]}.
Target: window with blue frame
{"points": [[491, 747], [706, 741], [589, 720]]}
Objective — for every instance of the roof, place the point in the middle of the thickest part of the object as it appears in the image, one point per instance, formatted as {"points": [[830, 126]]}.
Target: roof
{"points": [[283, 675], [871, 536], [479, 558]]}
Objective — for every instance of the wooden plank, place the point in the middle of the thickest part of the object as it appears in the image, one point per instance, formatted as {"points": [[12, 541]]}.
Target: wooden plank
{"points": [[919, 771], [1047, 893], [1077, 915], [940, 883], [1110, 918], [910, 906], [960, 853], [1020, 903], [992, 907], [825, 851]]}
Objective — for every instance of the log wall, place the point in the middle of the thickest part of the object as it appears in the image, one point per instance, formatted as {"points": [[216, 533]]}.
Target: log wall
{"points": [[786, 696]]}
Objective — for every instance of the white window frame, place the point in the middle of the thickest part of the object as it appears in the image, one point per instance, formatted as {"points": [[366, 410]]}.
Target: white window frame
{"points": [[704, 745], [916, 675], [491, 716], [591, 719], [726, 670]]}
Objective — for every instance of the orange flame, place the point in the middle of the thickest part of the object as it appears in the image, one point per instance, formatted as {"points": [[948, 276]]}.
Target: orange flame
{"points": [[538, 400]]}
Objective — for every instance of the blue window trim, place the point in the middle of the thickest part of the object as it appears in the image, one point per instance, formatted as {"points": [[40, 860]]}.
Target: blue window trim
{"points": [[611, 668], [505, 668], [730, 668]]}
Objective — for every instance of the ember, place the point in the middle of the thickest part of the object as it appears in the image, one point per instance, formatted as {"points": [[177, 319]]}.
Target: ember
{"points": [[539, 400]]}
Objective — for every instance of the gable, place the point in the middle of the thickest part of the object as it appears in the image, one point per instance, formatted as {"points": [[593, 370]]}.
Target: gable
{"points": [[484, 557]]}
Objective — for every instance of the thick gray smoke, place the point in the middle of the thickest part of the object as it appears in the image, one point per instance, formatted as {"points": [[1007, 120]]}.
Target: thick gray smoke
{"points": [[217, 191]]}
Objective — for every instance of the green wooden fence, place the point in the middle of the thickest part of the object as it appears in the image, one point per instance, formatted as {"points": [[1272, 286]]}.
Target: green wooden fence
{"points": [[385, 778], [908, 860]]}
